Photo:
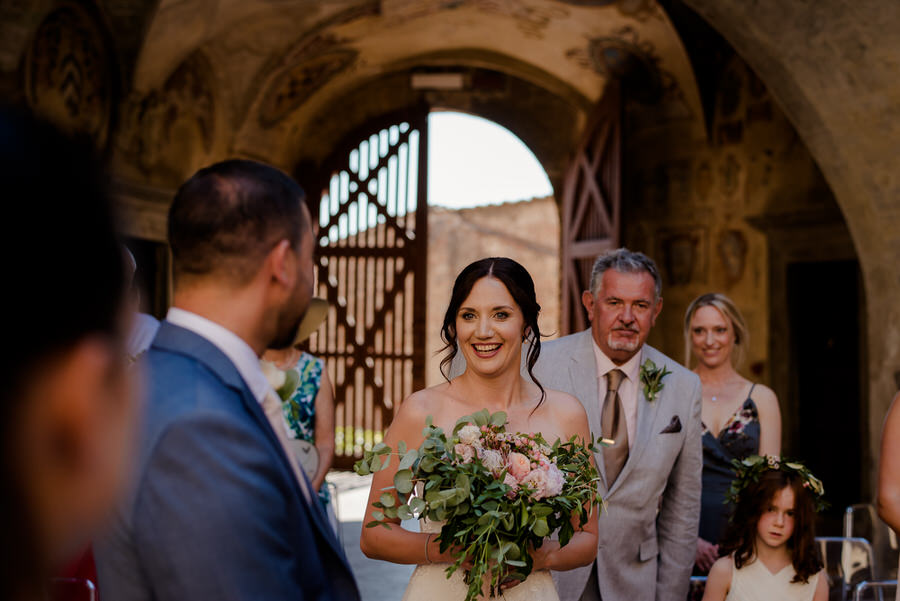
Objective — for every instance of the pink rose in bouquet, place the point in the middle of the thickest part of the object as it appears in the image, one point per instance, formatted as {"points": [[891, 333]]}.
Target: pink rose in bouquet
{"points": [[518, 465], [512, 484], [546, 481]]}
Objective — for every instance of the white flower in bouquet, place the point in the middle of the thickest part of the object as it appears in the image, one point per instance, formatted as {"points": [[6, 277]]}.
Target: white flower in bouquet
{"points": [[492, 460], [470, 435]]}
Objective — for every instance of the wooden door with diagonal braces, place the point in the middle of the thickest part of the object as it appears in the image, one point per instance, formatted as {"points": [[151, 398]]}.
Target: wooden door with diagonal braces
{"points": [[591, 205], [372, 259]]}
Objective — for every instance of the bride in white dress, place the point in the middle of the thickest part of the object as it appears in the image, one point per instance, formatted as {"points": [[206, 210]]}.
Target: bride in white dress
{"points": [[492, 311]]}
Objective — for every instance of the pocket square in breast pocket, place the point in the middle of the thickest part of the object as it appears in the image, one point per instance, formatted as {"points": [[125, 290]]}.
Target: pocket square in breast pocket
{"points": [[673, 427]]}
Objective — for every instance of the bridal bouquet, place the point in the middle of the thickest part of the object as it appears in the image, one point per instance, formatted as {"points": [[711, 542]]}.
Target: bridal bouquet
{"points": [[498, 493]]}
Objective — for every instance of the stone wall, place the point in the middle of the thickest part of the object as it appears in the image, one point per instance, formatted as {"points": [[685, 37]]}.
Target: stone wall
{"points": [[732, 214]]}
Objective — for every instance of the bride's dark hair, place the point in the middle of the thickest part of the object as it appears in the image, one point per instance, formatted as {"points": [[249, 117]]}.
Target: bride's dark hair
{"points": [[521, 287]]}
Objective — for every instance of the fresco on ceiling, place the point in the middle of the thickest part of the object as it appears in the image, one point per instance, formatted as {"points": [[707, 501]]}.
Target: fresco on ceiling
{"points": [[531, 20], [324, 58], [640, 9], [68, 75], [167, 130]]}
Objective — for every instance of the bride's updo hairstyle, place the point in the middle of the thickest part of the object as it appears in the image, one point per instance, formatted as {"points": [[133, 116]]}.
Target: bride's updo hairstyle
{"points": [[520, 286]]}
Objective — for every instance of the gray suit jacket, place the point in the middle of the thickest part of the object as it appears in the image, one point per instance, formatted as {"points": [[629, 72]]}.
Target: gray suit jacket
{"points": [[216, 513], [648, 530]]}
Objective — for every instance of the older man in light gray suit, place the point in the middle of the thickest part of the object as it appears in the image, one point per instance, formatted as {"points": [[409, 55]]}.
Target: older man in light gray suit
{"points": [[650, 477]]}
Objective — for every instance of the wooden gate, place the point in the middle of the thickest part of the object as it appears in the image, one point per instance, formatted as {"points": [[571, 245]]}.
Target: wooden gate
{"points": [[372, 258], [590, 205]]}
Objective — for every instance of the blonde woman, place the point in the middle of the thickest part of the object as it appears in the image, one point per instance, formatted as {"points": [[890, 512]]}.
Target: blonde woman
{"points": [[740, 417]]}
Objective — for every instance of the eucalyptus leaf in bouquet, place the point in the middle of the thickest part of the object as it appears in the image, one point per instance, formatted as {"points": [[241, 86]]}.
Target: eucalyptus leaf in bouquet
{"points": [[498, 494]]}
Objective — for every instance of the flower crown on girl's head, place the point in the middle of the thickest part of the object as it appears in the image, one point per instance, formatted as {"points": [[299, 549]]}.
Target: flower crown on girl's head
{"points": [[750, 469]]}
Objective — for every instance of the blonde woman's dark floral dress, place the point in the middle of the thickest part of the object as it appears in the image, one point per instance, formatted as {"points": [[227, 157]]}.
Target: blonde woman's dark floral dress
{"points": [[738, 439]]}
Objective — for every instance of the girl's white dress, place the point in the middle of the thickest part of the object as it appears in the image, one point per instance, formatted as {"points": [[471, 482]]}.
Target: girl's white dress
{"points": [[754, 582], [430, 583]]}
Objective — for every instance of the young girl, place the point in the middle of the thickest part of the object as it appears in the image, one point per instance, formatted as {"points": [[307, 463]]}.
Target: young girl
{"points": [[769, 547]]}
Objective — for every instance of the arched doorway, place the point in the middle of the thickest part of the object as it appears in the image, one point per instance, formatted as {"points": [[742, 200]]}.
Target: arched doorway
{"points": [[387, 277]]}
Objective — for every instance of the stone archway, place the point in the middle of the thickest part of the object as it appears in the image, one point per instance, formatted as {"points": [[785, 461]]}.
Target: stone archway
{"points": [[276, 76]]}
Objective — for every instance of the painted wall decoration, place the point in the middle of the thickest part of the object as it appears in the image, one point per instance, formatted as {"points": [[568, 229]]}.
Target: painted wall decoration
{"points": [[322, 60], [531, 20], [624, 57], [68, 75], [732, 249], [683, 252], [640, 9], [166, 132]]}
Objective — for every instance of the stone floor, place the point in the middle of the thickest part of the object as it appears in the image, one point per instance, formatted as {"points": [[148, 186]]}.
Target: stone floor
{"points": [[377, 580]]}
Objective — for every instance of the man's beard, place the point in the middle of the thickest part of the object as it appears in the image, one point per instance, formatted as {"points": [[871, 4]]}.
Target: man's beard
{"points": [[289, 320], [622, 345], [286, 333]]}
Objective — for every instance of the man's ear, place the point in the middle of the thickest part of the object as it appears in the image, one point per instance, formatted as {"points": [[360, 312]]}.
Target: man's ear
{"points": [[280, 262], [656, 311], [587, 299]]}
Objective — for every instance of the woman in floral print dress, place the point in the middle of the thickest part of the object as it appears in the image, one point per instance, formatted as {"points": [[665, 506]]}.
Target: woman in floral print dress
{"points": [[740, 418]]}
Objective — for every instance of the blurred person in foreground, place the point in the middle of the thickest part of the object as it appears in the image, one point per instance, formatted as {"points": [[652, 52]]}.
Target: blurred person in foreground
{"points": [[68, 402], [221, 509]]}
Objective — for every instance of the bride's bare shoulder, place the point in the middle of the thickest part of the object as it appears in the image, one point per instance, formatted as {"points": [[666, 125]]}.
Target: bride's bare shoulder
{"points": [[565, 403], [423, 402]]}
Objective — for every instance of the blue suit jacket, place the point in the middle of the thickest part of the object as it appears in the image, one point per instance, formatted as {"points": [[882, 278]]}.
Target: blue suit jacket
{"points": [[216, 512]]}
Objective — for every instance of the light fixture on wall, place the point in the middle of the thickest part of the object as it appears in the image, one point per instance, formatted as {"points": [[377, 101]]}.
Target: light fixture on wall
{"points": [[437, 81]]}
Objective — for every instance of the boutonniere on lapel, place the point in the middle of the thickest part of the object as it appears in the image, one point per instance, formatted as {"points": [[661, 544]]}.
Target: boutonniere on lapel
{"points": [[652, 379], [284, 381]]}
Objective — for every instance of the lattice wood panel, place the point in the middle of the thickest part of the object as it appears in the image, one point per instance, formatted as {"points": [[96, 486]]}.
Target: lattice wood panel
{"points": [[372, 260], [591, 206]]}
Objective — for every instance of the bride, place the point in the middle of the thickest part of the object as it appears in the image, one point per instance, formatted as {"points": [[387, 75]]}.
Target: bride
{"points": [[492, 311]]}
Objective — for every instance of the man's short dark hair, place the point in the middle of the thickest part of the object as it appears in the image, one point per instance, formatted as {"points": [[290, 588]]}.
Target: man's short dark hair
{"points": [[228, 216]]}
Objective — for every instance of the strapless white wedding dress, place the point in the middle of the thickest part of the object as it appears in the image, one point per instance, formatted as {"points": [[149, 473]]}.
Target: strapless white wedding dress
{"points": [[430, 582]]}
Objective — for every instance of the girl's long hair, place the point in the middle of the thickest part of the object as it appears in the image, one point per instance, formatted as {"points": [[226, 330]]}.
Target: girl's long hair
{"points": [[521, 287], [740, 536]]}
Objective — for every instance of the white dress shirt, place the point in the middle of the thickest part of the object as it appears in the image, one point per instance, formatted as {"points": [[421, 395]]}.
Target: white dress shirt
{"points": [[232, 345], [628, 388]]}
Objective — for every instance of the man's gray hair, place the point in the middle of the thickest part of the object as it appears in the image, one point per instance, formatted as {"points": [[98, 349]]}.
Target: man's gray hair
{"points": [[625, 261]]}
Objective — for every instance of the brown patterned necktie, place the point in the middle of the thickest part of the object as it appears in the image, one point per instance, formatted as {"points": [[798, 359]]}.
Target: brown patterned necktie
{"points": [[613, 426]]}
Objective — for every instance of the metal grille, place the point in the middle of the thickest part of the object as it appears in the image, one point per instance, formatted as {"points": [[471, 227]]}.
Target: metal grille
{"points": [[372, 260], [591, 206]]}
